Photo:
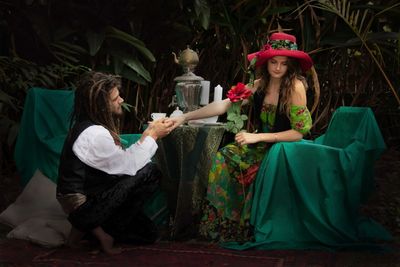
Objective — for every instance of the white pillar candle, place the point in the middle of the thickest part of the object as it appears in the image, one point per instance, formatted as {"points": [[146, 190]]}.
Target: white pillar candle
{"points": [[218, 93], [205, 93]]}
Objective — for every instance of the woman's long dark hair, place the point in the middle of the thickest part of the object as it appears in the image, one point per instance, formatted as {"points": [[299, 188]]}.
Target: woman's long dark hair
{"points": [[92, 101], [287, 85], [285, 90]]}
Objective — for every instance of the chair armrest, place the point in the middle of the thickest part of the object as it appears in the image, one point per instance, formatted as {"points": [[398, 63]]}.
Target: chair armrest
{"points": [[129, 139]]}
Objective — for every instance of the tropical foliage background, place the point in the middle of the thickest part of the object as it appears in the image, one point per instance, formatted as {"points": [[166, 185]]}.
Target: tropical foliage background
{"points": [[49, 43]]}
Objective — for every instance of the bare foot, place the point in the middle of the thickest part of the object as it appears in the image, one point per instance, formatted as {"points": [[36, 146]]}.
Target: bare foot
{"points": [[74, 238], [106, 241]]}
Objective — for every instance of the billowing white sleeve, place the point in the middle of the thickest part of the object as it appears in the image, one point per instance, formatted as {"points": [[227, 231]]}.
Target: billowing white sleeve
{"points": [[96, 148]]}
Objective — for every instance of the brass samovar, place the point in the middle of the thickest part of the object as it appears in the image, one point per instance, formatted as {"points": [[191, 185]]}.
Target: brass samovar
{"points": [[188, 86]]}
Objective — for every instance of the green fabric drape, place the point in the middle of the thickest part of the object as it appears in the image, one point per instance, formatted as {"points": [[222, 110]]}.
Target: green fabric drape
{"points": [[308, 194], [44, 126]]}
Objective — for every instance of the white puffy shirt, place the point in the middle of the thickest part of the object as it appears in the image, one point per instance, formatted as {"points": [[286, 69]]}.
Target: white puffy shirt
{"points": [[96, 148]]}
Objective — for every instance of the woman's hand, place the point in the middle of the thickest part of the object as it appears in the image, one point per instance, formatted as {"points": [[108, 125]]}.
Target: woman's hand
{"points": [[176, 121], [244, 138]]}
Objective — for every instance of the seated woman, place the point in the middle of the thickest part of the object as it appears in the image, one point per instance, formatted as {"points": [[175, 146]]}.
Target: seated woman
{"points": [[279, 98]]}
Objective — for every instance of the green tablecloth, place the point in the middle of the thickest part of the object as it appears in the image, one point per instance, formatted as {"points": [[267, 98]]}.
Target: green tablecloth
{"points": [[308, 194], [185, 158]]}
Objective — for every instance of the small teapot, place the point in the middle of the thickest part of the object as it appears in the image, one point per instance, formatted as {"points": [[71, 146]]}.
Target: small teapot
{"points": [[188, 59], [177, 112]]}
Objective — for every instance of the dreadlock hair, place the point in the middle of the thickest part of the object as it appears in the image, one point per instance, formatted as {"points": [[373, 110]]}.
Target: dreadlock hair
{"points": [[92, 101], [287, 85]]}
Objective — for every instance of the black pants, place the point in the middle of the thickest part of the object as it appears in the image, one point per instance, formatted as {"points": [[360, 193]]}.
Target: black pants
{"points": [[119, 209]]}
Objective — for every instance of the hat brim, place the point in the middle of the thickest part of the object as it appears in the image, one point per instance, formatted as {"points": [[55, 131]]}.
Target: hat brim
{"points": [[262, 56]]}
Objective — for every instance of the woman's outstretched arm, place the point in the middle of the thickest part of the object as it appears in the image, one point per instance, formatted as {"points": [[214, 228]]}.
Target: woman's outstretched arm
{"points": [[212, 109]]}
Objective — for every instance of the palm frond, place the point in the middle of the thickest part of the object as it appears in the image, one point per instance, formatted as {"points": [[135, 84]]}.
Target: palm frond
{"points": [[344, 10]]}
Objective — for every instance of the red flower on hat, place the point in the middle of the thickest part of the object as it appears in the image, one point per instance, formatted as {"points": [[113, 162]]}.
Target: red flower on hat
{"points": [[238, 92], [267, 47]]}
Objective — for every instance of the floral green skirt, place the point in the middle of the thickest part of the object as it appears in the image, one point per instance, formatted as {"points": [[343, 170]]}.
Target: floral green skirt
{"points": [[226, 211]]}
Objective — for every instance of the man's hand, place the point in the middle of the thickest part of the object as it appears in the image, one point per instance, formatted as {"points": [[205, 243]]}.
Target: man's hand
{"points": [[158, 128]]}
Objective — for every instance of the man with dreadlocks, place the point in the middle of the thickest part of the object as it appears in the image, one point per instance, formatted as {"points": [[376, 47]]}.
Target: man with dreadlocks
{"points": [[101, 185]]}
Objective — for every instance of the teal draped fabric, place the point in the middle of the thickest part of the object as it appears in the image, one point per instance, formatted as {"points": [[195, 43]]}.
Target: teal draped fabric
{"points": [[44, 127], [308, 193]]}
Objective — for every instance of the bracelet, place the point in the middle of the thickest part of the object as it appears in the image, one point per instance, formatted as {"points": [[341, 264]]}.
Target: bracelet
{"points": [[276, 138]]}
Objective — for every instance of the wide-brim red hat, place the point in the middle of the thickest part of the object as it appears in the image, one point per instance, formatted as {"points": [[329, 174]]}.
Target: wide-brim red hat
{"points": [[282, 44]]}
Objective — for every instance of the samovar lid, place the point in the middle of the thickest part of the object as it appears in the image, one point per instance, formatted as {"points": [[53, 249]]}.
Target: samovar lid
{"points": [[189, 76]]}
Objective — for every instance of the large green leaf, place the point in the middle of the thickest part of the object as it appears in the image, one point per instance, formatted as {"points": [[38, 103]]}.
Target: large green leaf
{"points": [[7, 99], [95, 40], [112, 32], [130, 62], [118, 65], [69, 47], [202, 10], [65, 58], [66, 52], [13, 133], [137, 66], [131, 75]]}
